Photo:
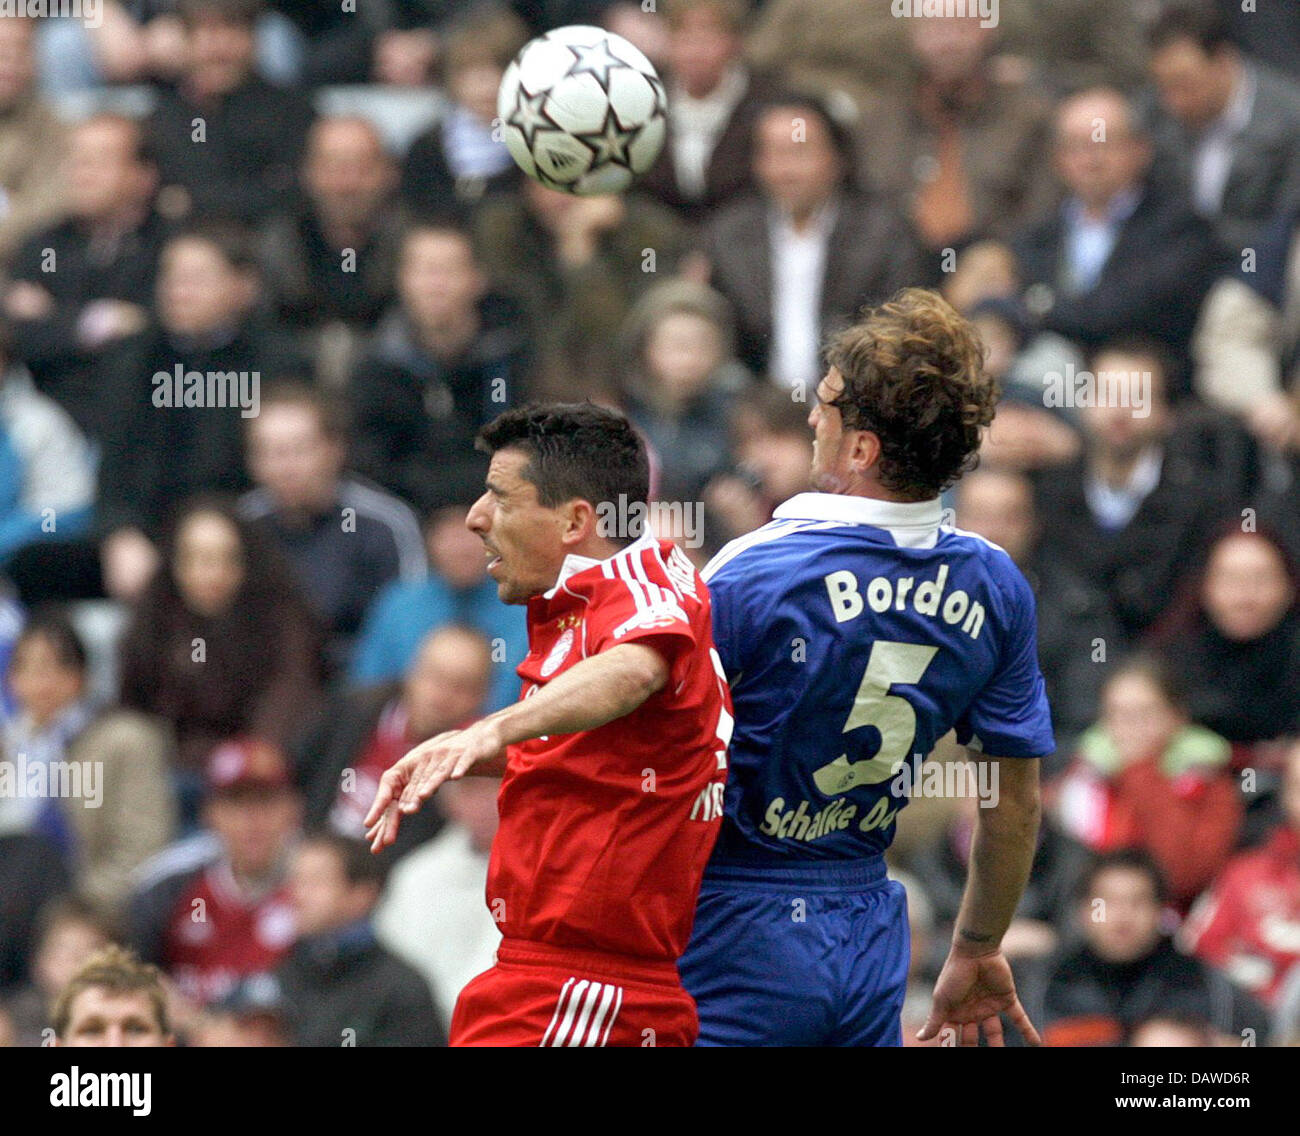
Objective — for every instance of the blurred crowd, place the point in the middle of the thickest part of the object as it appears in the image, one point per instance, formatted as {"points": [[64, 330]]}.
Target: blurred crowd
{"points": [[223, 618]]}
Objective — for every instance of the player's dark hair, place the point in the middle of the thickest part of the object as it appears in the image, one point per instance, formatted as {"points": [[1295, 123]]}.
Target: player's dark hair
{"points": [[1200, 22], [914, 376], [52, 624], [354, 857], [1126, 860], [575, 450]]}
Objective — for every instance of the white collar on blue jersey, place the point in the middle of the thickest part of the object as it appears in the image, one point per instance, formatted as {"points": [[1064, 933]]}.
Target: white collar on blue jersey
{"points": [[912, 523], [573, 563]]}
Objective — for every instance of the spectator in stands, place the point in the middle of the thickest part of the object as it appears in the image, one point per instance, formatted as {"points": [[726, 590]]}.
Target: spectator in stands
{"points": [[1132, 512], [33, 871], [807, 252], [68, 932], [843, 49], [1126, 970], [1268, 32], [1165, 1031], [772, 451], [1146, 777], [330, 259], [462, 157], [165, 443], [114, 1001], [446, 360], [336, 40], [406, 52], [212, 913], [1231, 127], [362, 733], [432, 913], [680, 381], [1248, 923], [1237, 650], [713, 99], [943, 864], [577, 264], [1024, 434], [1122, 255], [123, 810], [88, 282], [32, 141], [1247, 344], [341, 986], [1077, 629], [222, 642], [459, 592], [254, 1015], [1069, 45], [47, 472], [344, 537], [963, 150], [228, 142]]}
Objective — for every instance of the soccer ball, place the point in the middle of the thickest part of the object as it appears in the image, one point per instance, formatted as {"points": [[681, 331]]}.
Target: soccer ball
{"points": [[582, 111]]}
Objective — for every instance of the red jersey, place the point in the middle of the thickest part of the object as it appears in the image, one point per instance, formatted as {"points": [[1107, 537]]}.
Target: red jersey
{"points": [[1248, 924], [215, 936], [604, 834]]}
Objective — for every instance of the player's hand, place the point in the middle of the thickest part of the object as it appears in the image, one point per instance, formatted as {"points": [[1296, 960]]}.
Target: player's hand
{"points": [[411, 781], [971, 992]]}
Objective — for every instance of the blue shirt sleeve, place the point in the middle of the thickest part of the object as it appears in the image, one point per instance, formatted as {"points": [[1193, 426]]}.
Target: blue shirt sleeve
{"points": [[1009, 717]]}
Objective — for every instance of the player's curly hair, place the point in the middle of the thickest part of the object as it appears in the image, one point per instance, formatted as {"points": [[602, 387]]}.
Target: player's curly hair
{"points": [[119, 971], [914, 376]]}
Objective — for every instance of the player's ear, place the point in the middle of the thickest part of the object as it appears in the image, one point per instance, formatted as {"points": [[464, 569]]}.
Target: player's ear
{"points": [[866, 451], [579, 522]]}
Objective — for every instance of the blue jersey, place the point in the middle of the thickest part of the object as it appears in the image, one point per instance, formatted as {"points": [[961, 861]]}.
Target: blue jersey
{"points": [[855, 634]]}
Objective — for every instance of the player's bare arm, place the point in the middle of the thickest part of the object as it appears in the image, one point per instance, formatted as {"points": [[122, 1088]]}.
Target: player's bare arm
{"points": [[976, 985], [598, 690]]}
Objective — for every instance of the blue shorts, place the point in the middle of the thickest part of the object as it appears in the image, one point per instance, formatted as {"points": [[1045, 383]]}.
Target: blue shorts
{"points": [[815, 954]]}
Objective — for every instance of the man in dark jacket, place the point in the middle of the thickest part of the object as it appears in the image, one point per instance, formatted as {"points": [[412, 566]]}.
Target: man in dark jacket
{"points": [[448, 359], [87, 283], [806, 253], [1073, 612], [173, 437], [1122, 255], [1126, 970], [1133, 512], [228, 142], [341, 987]]}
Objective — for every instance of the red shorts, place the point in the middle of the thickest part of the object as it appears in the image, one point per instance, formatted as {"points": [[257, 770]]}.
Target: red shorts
{"points": [[540, 995]]}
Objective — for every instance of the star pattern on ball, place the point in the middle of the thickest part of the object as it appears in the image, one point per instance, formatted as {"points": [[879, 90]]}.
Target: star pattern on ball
{"points": [[594, 59], [528, 117], [609, 144]]}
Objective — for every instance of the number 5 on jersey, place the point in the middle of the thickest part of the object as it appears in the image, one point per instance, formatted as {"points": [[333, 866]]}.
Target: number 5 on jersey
{"points": [[891, 714]]}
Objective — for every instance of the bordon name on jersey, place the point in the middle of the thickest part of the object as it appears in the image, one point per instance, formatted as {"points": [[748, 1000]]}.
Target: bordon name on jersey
{"points": [[884, 639]]}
